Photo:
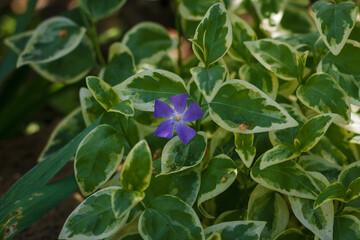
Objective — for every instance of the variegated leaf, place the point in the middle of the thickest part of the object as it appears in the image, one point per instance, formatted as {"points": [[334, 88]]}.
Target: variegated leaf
{"points": [[280, 153], [177, 157], [346, 177], [242, 32], [269, 206], [144, 87], [319, 93], [345, 70], [334, 22], [52, 39], [244, 148], [97, 158], [215, 179], [335, 191], [122, 201], [192, 11], [270, 12], [241, 230], [137, 168], [279, 57], [100, 9], [241, 107], [64, 69], [90, 108], [320, 221], [291, 233], [63, 133], [288, 178], [213, 36], [209, 80], [121, 65], [148, 42], [312, 130], [175, 218], [108, 98], [184, 185], [346, 227], [258, 76], [98, 206]]}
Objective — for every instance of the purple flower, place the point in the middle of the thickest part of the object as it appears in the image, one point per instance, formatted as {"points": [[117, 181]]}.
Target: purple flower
{"points": [[177, 117]]}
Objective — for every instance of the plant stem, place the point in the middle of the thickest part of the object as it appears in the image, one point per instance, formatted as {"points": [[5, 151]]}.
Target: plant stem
{"points": [[199, 120], [96, 44], [178, 29]]}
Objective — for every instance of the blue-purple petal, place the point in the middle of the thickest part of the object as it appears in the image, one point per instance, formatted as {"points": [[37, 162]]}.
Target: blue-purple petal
{"points": [[193, 113], [165, 129], [179, 102], [162, 109], [185, 132]]}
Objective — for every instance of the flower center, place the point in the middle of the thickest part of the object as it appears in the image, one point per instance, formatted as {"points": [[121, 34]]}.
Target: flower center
{"points": [[177, 117]]}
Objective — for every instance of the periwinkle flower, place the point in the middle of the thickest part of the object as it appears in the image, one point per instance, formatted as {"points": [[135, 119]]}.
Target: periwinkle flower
{"points": [[177, 117]]}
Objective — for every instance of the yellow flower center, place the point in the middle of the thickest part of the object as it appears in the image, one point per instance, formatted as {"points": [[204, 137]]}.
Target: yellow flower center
{"points": [[178, 118]]}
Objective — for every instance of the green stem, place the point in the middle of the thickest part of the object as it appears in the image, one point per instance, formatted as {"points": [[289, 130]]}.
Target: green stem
{"points": [[198, 122], [97, 45], [178, 29], [340, 207]]}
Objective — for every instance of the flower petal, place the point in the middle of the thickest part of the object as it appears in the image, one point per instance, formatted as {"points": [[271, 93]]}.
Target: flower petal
{"points": [[162, 109], [165, 129], [193, 113], [179, 102], [185, 132]]}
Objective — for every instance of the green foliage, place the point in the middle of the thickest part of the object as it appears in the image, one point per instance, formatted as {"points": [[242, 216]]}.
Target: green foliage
{"points": [[269, 100]]}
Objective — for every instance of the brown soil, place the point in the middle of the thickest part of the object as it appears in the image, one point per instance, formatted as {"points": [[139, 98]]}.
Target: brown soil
{"points": [[16, 158]]}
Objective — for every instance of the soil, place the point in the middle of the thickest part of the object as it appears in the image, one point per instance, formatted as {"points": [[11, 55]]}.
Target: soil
{"points": [[18, 156]]}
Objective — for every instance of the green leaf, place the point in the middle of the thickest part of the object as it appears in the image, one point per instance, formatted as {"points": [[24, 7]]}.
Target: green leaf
{"points": [[102, 92], [175, 218], [346, 227], [280, 153], [97, 211], [319, 93], [52, 39], [143, 88], [213, 36], [334, 22], [244, 148], [288, 178], [209, 80], [312, 130], [291, 233], [192, 11], [344, 69], [184, 185], [91, 109], [258, 76], [349, 173], [215, 179], [241, 107], [137, 168], [97, 158], [335, 191], [177, 157], [18, 215], [43, 171], [319, 221], [278, 57], [268, 206], [270, 12], [241, 230], [100, 9], [123, 201], [148, 42], [296, 19], [64, 69], [124, 107], [241, 32], [63, 133], [355, 139], [121, 65]]}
